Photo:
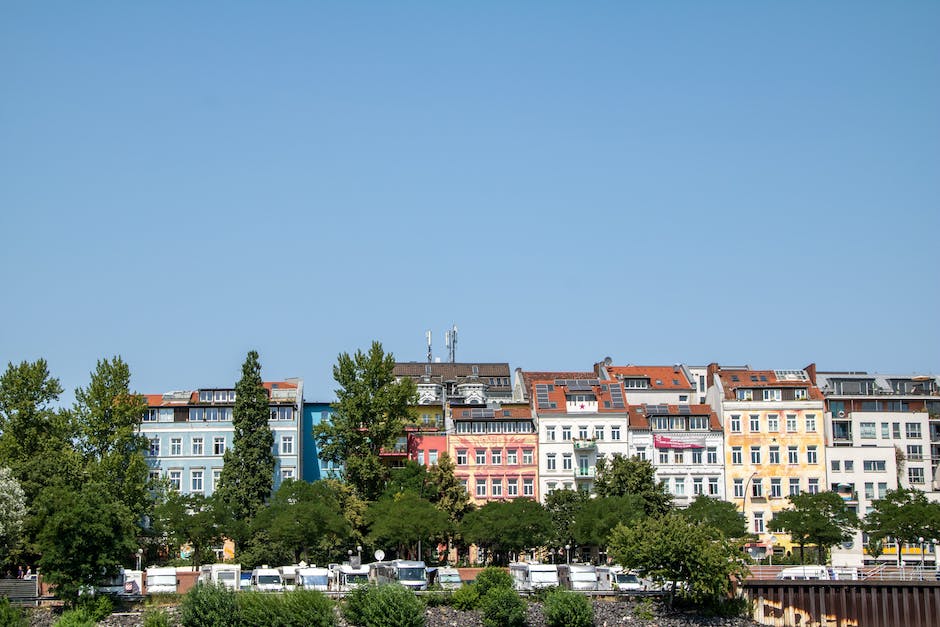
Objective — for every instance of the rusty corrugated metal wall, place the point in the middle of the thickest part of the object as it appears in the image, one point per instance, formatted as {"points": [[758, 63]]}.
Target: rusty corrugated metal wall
{"points": [[844, 603]]}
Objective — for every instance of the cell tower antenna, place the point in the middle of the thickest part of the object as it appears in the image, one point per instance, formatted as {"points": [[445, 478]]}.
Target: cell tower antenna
{"points": [[452, 344], [429, 345]]}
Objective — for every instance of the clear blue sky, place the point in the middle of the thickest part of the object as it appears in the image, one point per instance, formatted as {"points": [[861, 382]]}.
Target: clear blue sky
{"points": [[747, 182]]}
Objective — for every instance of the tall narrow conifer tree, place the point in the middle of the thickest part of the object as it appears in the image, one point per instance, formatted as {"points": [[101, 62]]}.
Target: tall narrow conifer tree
{"points": [[248, 471]]}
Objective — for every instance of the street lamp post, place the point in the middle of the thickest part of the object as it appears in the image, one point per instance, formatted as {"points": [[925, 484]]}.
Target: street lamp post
{"points": [[568, 553], [921, 540], [773, 541]]}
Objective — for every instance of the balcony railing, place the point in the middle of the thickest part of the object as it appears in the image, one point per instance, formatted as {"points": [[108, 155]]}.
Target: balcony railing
{"points": [[585, 444], [584, 473]]}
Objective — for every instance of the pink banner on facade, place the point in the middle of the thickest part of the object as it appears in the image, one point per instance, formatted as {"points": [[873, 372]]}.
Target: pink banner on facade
{"points": [[662, 441]]}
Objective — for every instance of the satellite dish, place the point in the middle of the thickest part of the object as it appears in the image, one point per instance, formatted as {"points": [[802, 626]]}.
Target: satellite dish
{"points": [[379, 555]]}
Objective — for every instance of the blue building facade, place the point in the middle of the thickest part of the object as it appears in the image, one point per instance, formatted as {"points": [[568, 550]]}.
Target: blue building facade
{"points": [[189, 432], [314, 467]]}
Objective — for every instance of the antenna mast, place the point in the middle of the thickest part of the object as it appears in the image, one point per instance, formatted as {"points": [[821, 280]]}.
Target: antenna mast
{"points": [[429, 345], [451, 340]]}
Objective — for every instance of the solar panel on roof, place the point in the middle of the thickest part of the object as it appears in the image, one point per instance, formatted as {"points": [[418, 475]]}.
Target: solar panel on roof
{"points": [[685, 409], [657, 409], [616, 397]]}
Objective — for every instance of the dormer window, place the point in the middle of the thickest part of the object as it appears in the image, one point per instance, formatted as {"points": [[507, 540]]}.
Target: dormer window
{"points": [[799, 394], [580, 398], [772, 395], [745, 395]]}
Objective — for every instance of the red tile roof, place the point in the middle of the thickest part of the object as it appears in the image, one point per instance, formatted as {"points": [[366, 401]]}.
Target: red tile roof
{"points": [[528, 377], [751, 379], [557, 394], [158, 400], [639, 414], [661, 377]]}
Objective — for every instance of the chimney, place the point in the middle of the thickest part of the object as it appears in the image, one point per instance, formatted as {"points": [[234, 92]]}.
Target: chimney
{"points": [[713, 369]]}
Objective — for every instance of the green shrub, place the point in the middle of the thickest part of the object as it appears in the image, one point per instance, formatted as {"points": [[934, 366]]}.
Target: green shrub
{"points": [[390, 605], [156, 618], [465, 598], [502, 607], [79, 617], [259, 609], [209, 606], [644, 609], [98, 607], [492, 577], [436, 598], [308, 608], [540, 594], [11, 616], [564, 608]]}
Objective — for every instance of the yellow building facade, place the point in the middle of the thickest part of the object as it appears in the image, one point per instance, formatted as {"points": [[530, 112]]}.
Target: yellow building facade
{"points": [[774, 444]]}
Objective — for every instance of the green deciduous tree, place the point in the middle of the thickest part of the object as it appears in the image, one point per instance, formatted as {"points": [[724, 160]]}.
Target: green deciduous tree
{"points": [[598, 517], [563, 506], [905, 515], [621, 475], [820, 519], [306, 520], [248, 467], [721, 515], [191, 519], [36, 440], [369, 415], [451, 496], [674, 549], [404, 520], [508, 526], [107, 416], [85, 535]]}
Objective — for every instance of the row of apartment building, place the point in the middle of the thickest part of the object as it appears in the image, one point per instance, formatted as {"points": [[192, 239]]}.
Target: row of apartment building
{"points": [[752, 437]]}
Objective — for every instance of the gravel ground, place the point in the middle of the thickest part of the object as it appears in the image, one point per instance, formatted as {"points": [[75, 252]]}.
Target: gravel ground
{"points": [[606, 614]]}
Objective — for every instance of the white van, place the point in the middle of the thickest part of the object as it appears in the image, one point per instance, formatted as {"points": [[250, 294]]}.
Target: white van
{"points": [[804, 573], [527, 576], [577, 576], [161, 580], [266, 579], [313, 578], [449, 578], [224, 574]]}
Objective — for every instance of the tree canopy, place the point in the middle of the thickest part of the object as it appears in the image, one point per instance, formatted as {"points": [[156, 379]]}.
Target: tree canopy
{"points": [[369, 415], [107, 416], [674, 549], [822, 519], [597, 517], [404, 520], [563, 506], [905, 515], [721, 515], [504, 526], [620, 475], [84, 535]]}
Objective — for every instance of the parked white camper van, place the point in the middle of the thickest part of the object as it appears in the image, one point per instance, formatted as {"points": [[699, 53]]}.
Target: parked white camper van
{"points": [[161, 580], [577, 576], [346, 577], [266, 580], [313, 578], [528, 576], [226, 574], [804, 572]]}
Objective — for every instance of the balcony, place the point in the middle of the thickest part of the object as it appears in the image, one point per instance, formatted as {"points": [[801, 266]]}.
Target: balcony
{"points": [[589, 444], [584, 474]]}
